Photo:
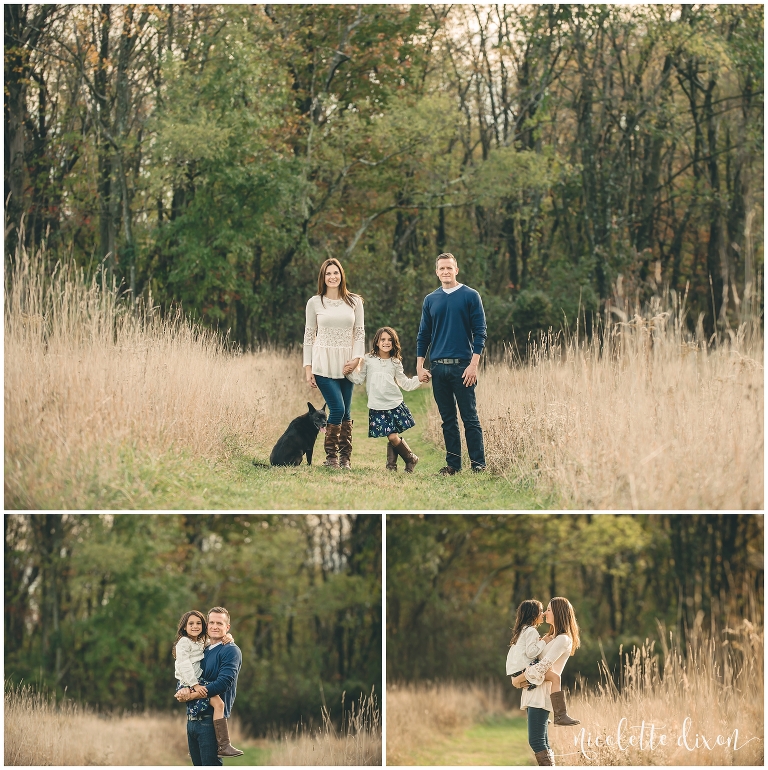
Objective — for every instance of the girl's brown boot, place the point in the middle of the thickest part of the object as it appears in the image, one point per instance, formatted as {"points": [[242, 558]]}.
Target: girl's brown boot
{"points": [[391, 457], [405, 452]]}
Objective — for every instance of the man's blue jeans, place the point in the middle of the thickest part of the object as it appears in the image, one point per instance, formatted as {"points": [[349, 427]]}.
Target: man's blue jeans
{"points": [[449, 391], [338, 396], [201, 740], [538, 737]]}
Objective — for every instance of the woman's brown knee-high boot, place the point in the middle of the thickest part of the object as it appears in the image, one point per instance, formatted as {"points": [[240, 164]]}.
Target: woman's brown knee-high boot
{"points": [[391, 457], [543, 758], [332, 445], [345, 444], [561, 713], [405, 452]]}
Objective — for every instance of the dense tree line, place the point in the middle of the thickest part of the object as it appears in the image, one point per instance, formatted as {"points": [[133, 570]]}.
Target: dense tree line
{"points": [[455, 581], [92, 603], [576, 158]]}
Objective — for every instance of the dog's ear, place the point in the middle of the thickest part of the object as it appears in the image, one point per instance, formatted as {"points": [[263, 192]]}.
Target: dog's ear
{"points": [[322, 409], [311, 408]]}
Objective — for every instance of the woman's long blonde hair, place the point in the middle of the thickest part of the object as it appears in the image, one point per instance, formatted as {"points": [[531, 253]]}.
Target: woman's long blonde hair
{"points": [[344, 293], [565, 621]]}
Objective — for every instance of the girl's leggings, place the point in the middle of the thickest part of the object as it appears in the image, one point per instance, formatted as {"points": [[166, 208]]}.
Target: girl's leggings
{"points": [[538, 738], [338, 396]]}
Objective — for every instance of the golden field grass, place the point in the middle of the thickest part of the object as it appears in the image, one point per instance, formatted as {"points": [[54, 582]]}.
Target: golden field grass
{"points": [[40, 731], [357, 742], [651, 419], [421, 716], [108, 406], [716, 682], [87, 382]]}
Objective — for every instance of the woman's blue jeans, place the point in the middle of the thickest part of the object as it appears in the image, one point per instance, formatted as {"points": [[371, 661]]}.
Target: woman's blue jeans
{"points": [[338, 396], [538, 738]]}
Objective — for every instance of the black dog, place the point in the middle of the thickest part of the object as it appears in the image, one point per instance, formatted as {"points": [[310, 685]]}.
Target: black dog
{"points": [[299, 438]]}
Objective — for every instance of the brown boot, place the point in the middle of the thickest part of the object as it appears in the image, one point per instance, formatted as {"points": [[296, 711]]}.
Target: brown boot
{"points": [[345, 444], [405, 452], [226, 749], [332, 445], [543, 758], [561, 713], [391, 457]]}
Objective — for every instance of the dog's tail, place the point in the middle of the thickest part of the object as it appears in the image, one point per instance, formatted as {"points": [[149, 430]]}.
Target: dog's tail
{"points": [[260, 464]]}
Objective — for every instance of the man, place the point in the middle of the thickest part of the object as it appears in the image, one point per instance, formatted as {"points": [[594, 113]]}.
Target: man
{"points": [[207, 737], [453, 328]]}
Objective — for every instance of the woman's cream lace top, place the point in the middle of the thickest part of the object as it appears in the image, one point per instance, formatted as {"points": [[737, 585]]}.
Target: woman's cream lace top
{"points": [[334, 333]]}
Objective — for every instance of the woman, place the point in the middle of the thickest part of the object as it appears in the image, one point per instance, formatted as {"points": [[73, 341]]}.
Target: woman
{"points": [[334, 343], [562, 642]]}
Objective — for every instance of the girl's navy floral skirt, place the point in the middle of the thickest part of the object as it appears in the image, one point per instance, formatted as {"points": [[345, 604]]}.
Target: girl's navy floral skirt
{"points": [[194, 707], [384, 422]]}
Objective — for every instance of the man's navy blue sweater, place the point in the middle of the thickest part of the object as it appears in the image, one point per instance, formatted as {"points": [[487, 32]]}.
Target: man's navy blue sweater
{"points": [[452, 325], [221, 666]]}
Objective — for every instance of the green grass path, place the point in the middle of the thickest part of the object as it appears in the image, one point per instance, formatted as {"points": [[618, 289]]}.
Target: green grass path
{"points": [[180, 481], [498, 741]]}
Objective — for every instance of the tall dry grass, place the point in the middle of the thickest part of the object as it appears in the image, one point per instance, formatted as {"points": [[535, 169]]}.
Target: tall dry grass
{"points": [[711, 688], [642, 416], [421, 714], [715, 680], [40, 731], [87, 376], [357, 742]]}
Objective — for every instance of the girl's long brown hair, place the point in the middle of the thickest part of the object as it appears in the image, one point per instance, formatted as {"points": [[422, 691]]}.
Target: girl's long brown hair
{"points": [[182, 629], [527, 614], [344, 293], [396, 352], [565, 621]]}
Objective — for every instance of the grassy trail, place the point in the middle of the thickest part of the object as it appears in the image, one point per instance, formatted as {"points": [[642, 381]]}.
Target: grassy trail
{"points": [[494, 742], [185, 482]]}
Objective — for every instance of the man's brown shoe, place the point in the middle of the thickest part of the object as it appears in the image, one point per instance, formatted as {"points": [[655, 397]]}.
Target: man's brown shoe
{"points": [[448, 471]]}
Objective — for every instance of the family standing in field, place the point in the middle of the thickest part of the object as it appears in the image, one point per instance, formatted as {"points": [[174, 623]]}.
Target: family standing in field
{"points": [[536, 664], [452, 330], [207, 664]]}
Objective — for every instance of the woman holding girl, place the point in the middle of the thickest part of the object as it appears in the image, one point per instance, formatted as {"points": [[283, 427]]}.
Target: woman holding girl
{"points": [[561, 643], [334, 343]]}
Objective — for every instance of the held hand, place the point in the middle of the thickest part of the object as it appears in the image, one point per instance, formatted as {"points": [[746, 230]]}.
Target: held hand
{"points": [[424, 375], [184, 695], [350, 366], [520, 681], [470, 376], [200, 691]]}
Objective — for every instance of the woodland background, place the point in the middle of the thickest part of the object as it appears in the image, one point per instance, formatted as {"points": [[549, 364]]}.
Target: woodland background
{"points": [[454, 583], [92, 603], [571, 156]]}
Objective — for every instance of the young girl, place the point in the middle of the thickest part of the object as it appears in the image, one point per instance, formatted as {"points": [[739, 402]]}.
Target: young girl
{"points": [[188, 649], [382, 372], [525, 648]]}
